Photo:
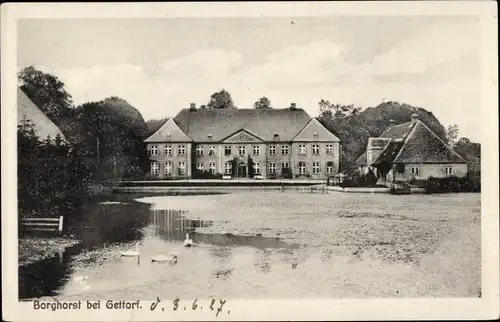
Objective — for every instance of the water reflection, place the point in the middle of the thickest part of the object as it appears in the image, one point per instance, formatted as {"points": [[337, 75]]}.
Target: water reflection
{"points": [[172, 225]]}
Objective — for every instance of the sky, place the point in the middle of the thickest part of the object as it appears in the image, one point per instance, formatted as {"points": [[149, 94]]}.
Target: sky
{"points": [[161, 65]]}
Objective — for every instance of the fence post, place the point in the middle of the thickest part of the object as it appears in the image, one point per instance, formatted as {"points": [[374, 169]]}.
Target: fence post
{"points": [[60, 227]]}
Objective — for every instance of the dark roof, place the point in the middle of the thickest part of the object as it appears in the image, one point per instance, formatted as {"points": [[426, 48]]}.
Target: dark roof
{"points": [[423, 145], [400, 131], [390, 152], [416, 143], [221, 123], [413, 142]]}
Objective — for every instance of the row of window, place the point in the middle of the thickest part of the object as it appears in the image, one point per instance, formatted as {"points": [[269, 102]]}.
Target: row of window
{"points": [[181, 150], [285, 149], [181, 166], [415, 171], [228, 168]]}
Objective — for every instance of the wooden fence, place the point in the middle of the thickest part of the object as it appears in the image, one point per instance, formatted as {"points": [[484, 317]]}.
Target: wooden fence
{"points": [[43, 224]]}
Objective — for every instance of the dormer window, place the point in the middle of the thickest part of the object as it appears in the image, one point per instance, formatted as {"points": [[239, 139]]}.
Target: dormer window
{"points": [[276, 136]]}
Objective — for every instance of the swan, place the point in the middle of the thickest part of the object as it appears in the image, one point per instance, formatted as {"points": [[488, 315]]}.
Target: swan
{"points": [[172, 258], [188, 242], [131, 253]]}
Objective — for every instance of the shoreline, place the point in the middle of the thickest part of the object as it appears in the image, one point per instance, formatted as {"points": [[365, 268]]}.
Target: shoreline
{"points": [[32, 249]]}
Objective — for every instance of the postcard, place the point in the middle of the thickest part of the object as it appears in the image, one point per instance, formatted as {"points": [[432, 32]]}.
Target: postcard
{"points": [[250, 161]]}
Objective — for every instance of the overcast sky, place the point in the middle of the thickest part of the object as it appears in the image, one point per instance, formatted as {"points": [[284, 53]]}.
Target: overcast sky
{"points": [[161, 65]]}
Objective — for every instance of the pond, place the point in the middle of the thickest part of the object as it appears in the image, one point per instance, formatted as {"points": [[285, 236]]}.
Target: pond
{"points": [[270, 245]]}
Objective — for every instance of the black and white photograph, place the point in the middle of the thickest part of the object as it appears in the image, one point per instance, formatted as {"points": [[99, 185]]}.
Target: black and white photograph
{"points": [[174, 165]]}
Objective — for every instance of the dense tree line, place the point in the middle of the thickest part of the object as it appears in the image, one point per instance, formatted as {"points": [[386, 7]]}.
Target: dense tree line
{"points": [[354, 125], [106, 142]]}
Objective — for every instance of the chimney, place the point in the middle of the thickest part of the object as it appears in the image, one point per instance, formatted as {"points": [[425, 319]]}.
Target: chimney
{"points": [[192, 107], [414, 117], [392, 122], [293, 106]]}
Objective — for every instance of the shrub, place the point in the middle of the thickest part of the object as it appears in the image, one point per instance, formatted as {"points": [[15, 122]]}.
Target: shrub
{"points": [[364, 181], [206, 175], [453, 184], [370, 178], [286, 173]]}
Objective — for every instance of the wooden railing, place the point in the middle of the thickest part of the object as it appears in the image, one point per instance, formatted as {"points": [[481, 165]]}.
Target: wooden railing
{"points": [[43, 224]]}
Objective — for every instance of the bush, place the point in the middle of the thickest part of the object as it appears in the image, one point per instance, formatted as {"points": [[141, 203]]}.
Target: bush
{"points": [[206, 175], [453, 184], [365, 181], [286, 173], [370, 178]]}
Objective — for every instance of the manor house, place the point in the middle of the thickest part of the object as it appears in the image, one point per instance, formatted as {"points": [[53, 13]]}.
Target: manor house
{"points": [[276, 143]]}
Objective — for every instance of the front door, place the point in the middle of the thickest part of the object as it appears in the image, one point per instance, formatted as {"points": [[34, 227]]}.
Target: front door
{"points": [[242, 170]]}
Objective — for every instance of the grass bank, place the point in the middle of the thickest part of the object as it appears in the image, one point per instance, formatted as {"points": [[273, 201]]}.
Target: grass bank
{"points": [[32, 248]]}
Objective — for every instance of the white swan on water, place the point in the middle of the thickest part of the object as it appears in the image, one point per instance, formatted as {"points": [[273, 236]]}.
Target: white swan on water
{"points": [[172, 258], [188, 242], [131, 253]]}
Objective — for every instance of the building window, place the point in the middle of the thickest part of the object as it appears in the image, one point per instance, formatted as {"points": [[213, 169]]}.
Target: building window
{"points": [[199, 166], [315, 149], [256, 150], [210, 137], [155, 167], [154, 150], [302, 167], [415, 171], [316, 167], [272, 167], [315, 135], [329, 167], [211, 150], [181, 150], [211, 166], [199, 150], [448, 171], [256, 168], [182, 167], [329, 149], [284, 149], [272, 149], [227, 150], [168, 150], [284, 165], [242, 150], [302, 149], [168, 168], [228, 168]]}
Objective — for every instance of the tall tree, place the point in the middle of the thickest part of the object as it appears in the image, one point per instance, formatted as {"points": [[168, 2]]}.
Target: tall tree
{"points": [[46, 91], [452, 134], [262, 103], [221, 100]]}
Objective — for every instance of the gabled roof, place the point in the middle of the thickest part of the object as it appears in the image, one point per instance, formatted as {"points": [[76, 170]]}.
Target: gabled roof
{"points": [[221, 123], [307, 134], [400, 131], [242, 136], [168, 132], [43, 126], [362, 159], [414, 142], [423, 145]]}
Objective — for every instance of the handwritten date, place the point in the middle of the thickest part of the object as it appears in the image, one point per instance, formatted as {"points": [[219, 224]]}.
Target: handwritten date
{"points": [[176, 305]]}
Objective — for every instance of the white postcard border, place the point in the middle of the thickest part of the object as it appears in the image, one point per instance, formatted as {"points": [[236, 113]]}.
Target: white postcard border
{"points": [[345, 309]]}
